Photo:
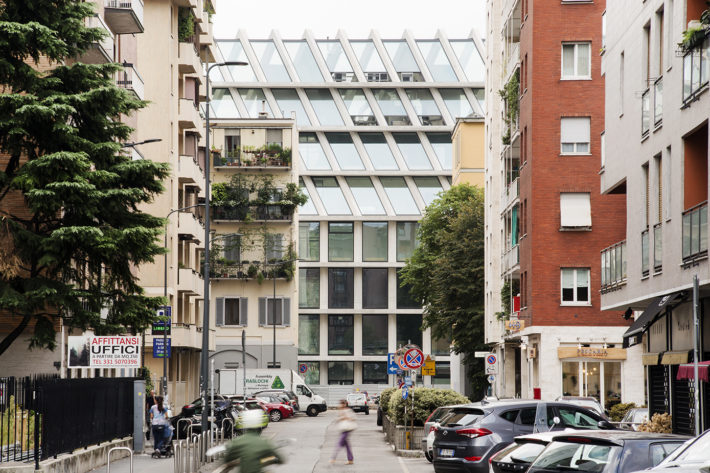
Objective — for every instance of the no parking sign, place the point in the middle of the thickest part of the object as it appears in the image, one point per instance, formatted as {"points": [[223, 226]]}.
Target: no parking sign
{"points": [[491, 364]]}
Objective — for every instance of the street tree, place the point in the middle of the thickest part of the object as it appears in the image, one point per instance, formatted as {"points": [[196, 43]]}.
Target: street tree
{"points": [[445, 272], [71, 232]]}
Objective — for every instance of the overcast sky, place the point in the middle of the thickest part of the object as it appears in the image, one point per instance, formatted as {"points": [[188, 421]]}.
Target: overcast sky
{"points": [[357, 17]]}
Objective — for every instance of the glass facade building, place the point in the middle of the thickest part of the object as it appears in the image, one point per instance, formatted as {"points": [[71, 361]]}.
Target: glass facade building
{"points": [[375, 118]]}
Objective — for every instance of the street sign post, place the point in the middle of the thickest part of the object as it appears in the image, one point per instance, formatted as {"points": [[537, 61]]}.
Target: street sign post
{"points": [[159, 350], [160, 325], [491, 378], [391, 364], [405, 392], [414, 358], [429, 366], [407, 381], [491, 364]]}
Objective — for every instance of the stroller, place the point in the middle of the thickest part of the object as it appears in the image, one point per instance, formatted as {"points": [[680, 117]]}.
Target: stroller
{"points": [[163, 436]]}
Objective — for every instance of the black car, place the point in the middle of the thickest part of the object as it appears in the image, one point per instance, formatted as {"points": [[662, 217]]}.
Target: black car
{"points": [[470, 435], [692, 457], [618, 451]]}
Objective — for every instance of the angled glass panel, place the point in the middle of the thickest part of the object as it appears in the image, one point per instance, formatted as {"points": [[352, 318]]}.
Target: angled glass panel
{"points": [[368, 56], [470, 59], [303, 61], [308, 208], [312, 153], [399, 196], [234, 51], [358, 107], [338, 64], [324, 106], [345, 152], [270, 60], [331, 196], [441, 142], [288, 102], [436, 61], [456, 102], [216, 75], [401, 56], [412, 150], [222, 104], [254, 101], [365, 196], [480, 95], [379, 151], [392, 107], [428, 187], [425, 107]]}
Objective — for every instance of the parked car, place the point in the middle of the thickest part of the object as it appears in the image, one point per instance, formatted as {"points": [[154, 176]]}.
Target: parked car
{"points": [[358, 402], [276, 407], [430, 428], [519, 455], [691, 457], [633, 418], [470, 435], [585, 401], [618, 451], [293, 399], [249, 404]]}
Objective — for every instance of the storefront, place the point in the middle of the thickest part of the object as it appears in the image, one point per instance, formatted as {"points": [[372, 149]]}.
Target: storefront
{"points": [[592, 371]]}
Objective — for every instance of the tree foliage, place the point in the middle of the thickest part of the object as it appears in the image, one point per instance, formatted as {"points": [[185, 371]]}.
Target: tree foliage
{"points": [[77, 234], [446, 273]]}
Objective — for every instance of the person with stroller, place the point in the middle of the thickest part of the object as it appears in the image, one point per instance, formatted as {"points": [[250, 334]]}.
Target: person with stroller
{"points": [[160, 424]]}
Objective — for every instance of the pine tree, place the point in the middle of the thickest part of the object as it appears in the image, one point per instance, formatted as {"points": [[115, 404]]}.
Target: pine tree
{"points": [[71, 249]]}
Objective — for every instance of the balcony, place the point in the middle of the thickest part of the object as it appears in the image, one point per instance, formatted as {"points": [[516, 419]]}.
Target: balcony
{"points": [[696, 70], [189, 171], [130, 80], [188, 59], [207, 36], [188, 224], [100, 52], [268, 157], [511, 260], [124, 16], [246, 270], [190, 282], [185, 335], [253, 213], [188, 115], [613, 267], [695, 233], [513, 59], [510, 195]]}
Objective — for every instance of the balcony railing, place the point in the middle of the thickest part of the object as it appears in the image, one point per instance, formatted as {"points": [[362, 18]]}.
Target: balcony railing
{"points": [[658, 101], [511, 259], [249, 270], [129, 79], [658, 248], [124, 16], [644, 253], [511, 193], [696, 70], [252, 212], [613, 266], [646, 112], [250, 157], [695, 232]]}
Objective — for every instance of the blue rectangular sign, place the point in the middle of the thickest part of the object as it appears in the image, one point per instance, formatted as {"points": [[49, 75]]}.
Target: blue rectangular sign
{"points": [[408, 380], [391, 365], [158, 350]]}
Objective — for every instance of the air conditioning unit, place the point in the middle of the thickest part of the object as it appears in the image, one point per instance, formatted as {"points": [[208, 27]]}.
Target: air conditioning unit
{"points": [[407, 77], [338, 76]]}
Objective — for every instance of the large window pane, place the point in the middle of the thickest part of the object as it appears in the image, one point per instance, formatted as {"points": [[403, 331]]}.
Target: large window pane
{"points": [[340, 241], [456, 102], [311, 152], [358, 107], [340, 335], [308, 208], [324, 106], [401, 56], [223, 105], [441, 142], [409, 329], [309, 335], [341, 372], [374, 288], [340, 288], [309, 288], [399, 196], [374, 241], [270, 61], [309, 241], [436, 61], [370, 60], [254, 101], [379, 151], [303, 61], [338, 64], [612, 383], [405, 300], [312, 374], [443, 373], [289, 101], [428, 187], [374, 334], [345, 152], [480, 95], [331, 196], [407, 239], [365, 196], [441, 346], [374, 372], [412, 151], [425, 107], [234, 51], [391, 107], [470, 59]]}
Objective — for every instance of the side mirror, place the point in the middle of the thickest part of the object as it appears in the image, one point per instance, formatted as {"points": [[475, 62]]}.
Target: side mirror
{"points": [[605, 425]]}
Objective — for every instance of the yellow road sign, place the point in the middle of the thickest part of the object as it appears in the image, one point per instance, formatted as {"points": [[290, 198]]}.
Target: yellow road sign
{"points": [[429, 366]]}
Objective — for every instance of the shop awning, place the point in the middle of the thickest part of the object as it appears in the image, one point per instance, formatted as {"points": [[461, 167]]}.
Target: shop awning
{"points": [[687, 371], [674, 357], [654, 310], [650, 359]]}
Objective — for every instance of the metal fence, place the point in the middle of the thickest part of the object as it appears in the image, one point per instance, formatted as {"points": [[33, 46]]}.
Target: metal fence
{"points": [[17, 419]]}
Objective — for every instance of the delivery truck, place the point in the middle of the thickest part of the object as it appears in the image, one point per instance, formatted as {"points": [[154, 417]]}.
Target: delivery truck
{"points": [[231, 383]]}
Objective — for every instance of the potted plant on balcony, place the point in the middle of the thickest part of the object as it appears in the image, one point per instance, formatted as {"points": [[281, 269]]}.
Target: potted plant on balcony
{"points": [[696, 33], [252, 270], [292, 197]]}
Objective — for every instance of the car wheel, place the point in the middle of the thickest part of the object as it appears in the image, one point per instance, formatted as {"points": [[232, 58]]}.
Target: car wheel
{"points": [[311, 411], [275, 415], [367, 412], [428, 456]]}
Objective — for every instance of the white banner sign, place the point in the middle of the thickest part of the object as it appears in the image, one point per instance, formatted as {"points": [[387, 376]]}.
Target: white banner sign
{"points": [[91, 351]]}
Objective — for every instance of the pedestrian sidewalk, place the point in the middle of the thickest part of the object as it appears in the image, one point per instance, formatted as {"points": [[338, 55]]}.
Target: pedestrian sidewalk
{"points": [[142, 463]]}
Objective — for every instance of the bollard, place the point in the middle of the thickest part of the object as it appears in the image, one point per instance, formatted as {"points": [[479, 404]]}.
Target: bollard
{"points": [[177, 428], [176, 456], [108, 458]]}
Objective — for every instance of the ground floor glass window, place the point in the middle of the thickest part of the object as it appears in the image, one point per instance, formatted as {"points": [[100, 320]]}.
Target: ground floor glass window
{"points": [[312, 374], [374, 372], [340, 372], [599, 379], [443, 373]]}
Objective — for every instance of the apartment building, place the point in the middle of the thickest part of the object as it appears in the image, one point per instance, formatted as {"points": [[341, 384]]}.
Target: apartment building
{"points": [[656, 159], [544, 155], [374, 119], [468, 140]]}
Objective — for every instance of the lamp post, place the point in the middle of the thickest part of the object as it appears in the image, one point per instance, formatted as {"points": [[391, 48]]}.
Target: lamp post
{"points": [[273, 304], [206, 304]]}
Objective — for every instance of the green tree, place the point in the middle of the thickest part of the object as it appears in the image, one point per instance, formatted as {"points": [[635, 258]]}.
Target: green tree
{"points": [[70, 248], [446, 274]]}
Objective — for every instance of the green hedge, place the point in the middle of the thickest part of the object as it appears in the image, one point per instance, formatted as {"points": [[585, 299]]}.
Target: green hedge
{"points": [[426, 400]]}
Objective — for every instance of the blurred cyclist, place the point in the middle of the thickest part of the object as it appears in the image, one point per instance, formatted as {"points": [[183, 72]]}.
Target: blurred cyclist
{"points": [[253, 451]]}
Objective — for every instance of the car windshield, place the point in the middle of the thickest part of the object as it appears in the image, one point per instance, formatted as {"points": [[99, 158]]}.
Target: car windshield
{"points": [[696, 452], [566, 456], [356, 397], [462, 417], [524, 453]]}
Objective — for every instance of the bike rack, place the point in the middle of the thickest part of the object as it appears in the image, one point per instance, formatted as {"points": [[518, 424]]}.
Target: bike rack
{"points": [[177, 434], [108, 458]]}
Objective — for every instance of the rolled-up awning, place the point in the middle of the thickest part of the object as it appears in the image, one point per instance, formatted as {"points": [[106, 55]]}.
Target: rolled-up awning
{"points": [[687, 371], [674, 357], [650, 359], [654, 310]]}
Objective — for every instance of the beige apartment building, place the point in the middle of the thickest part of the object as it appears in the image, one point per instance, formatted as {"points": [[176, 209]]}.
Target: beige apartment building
{"points": [[468, 141]]}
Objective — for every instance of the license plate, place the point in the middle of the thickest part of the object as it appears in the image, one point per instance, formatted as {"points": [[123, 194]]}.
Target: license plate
{"points": [[446, 452]]}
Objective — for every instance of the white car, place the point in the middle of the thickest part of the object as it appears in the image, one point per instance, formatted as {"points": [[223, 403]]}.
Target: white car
{"points": [[358, 402]]}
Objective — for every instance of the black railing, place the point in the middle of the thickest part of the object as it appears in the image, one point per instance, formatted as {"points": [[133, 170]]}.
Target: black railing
{"points": [[253, 212], [695, 232]]}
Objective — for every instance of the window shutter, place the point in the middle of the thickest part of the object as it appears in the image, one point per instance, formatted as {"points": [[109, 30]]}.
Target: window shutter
{"points": [[274, 136], [262, 311], [575, 210], [219, 310], [243, 311], [574, 130], [286, 311]]}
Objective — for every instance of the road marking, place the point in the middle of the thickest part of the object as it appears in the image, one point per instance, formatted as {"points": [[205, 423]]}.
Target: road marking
{"points": [[404, 467]]}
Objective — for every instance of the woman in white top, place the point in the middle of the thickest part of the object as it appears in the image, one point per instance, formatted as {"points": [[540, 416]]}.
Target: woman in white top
{"points": [[160, 423]]}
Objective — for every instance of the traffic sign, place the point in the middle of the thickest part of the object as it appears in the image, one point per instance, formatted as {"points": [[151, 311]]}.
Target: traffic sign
{"points": [[391, 364], [408, 380], [159, 349], [405, 392], [429, 367], [164, 313], [400, 362], [480, 354], [491, 364], [491, 378], [414, 358], [302, 368]]}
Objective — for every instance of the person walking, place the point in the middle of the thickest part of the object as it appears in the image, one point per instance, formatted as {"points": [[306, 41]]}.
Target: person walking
{"points": [[160, 423], [345, 424]]}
